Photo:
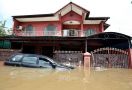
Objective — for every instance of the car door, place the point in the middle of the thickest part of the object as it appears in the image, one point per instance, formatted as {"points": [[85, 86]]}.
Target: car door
{"points": [[30, 61], [44, 63]]}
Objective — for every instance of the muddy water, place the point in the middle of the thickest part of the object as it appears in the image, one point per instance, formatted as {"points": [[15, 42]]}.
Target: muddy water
{"points": [[18, 78]]}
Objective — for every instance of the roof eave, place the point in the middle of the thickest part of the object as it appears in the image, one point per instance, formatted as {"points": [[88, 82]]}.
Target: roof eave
{"points": [[106, 26], [36, 15], [97, 18]]}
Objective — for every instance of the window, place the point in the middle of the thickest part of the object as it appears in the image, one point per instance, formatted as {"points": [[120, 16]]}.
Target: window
{"points": [[31, 60], [29, 30], [17, 58], [50, 30], [90, 32], [44, 62]]}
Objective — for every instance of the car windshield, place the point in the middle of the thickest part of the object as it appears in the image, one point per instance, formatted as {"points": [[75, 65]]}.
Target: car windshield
{"points": [[16, 58]]}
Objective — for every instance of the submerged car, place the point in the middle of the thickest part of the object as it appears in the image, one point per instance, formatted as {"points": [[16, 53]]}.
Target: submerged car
{"points": [[35, 61]]}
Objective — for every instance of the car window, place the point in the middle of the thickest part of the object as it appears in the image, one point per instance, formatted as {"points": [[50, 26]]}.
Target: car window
{"points": [[44, 62], [16, 58], [29, 59]]}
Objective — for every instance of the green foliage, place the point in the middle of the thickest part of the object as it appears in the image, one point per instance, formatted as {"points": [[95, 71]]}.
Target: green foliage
{"points": [[2, 28]]}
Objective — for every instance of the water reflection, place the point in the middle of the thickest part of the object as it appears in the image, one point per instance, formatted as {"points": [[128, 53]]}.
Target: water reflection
{"points": [[86, 77], [29, 73], [19, 78]]}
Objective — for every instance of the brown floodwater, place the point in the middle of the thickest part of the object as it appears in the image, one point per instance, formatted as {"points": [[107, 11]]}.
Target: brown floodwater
{"points": [[19, 78]]}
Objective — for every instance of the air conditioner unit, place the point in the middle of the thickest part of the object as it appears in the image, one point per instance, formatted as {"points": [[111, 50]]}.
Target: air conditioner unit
{"points": [[19, 27], [65, 32]]}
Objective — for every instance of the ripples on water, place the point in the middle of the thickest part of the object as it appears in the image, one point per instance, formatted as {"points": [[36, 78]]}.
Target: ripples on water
{"points": [[19, 78]]}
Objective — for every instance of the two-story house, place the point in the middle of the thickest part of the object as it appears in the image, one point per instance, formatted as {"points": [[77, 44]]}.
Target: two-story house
{"points": [[70, 21], [67, 34]]}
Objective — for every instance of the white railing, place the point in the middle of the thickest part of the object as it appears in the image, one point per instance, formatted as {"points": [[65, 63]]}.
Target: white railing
{"points": [[72, 33], [76, 33], [37, 33], [64, 33], [52, 33]]}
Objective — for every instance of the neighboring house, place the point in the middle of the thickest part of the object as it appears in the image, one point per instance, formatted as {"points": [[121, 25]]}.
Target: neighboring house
{"points": [[68, 33]]}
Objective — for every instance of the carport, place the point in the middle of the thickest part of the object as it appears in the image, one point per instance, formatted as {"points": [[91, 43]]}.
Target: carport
{"points": [[49, 45]]}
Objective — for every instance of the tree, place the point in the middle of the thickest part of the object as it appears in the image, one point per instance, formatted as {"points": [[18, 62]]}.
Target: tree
{"points": [[2, 28]]}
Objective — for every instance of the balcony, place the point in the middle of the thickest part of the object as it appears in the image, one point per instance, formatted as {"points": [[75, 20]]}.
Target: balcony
{"points": [[64, 33]]}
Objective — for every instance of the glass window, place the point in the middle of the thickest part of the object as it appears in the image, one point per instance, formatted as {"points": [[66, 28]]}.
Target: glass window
{"points": [[44, 62], [90, 32], [16, 58], [29, 29], [31, 60], [51, 28]]}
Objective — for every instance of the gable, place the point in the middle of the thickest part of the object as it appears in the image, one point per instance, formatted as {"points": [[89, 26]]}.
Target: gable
{"points": [[72, 7], [71, 16]]}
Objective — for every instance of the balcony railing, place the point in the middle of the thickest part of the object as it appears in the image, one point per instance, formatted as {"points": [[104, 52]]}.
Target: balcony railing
{"points": [[64, 33], [37, 33]]}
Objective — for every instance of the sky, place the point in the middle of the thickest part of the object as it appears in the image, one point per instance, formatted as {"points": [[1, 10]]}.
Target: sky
{"points": [[119, 11]]}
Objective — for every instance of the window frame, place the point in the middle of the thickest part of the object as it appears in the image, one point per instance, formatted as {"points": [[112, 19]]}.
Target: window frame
{"points": [[31, 60], [50, 31], [89, 32], [51, 26], [29, 29], [48, 64]]}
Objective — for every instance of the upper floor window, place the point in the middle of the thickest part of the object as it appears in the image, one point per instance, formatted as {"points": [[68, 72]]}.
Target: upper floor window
{"points": [[90, 32], [50, 30], [29, 29]]}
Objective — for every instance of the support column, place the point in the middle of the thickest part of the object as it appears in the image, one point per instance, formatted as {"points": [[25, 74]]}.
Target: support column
{"points": [[82, 34], [87, 60], [60, 27]]}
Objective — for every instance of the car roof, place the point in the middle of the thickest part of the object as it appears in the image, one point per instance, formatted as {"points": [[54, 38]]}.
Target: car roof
{"points": [[37, 55], [29, 54]]}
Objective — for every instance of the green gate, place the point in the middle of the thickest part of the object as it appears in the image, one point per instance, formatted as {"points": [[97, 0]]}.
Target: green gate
{"points": [[5, 44]]}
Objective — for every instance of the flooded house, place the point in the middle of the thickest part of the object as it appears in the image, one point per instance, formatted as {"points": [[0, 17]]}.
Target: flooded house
{"points": [[69, 35]]}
